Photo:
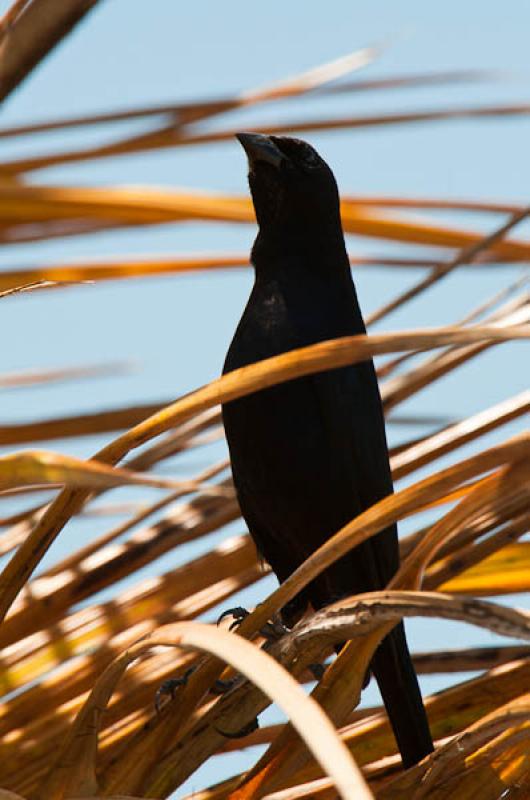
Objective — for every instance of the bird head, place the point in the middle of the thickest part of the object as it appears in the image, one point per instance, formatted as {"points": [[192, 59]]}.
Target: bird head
{"points": [[293, 190]]}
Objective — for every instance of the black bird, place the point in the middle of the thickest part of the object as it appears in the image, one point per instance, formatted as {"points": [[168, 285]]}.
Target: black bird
{"points": [[309, 455]]}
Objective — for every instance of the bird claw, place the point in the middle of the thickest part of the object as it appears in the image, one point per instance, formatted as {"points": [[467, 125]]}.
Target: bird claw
{"points": [[250, 727], [238, 613], [222, 687], [170, 687], [271, 631]]}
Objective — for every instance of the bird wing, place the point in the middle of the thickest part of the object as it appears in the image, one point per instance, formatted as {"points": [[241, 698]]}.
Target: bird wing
{"points": [[351, 415]]}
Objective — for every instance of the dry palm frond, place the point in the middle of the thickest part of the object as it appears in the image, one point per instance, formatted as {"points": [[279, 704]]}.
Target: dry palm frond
{"points": [[79, 673], [29, 30]]}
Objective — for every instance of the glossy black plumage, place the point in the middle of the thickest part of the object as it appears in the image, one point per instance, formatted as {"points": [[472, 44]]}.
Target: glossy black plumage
{"points": [[309, 455]]}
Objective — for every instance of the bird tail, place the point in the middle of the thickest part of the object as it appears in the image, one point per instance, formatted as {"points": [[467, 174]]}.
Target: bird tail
{"points": [[398, 684]]}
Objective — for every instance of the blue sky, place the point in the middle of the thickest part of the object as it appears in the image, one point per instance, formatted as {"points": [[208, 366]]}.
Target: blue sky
{"points": [[176, 330]]}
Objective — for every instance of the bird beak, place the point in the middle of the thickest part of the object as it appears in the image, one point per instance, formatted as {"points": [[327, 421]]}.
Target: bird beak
{"points": [[261, 148]]}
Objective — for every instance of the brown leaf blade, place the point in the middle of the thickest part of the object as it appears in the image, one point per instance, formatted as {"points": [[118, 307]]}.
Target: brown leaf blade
{"points": [[76, 764], [31, 467]]}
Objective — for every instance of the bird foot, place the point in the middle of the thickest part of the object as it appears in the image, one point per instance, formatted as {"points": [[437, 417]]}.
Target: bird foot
{"points": [[238, 613], [272, 631], [250, 727], [170, 687], [222, 687]]}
